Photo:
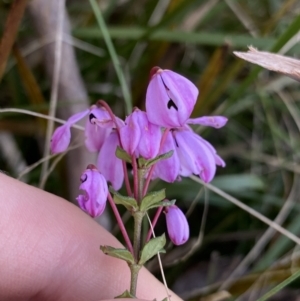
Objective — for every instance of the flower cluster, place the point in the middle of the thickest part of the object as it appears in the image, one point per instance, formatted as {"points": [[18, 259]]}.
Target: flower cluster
{"points": [[164, 127]]}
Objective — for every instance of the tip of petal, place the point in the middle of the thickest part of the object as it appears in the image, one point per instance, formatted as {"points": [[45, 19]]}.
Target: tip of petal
{"points": [[153, 71]]}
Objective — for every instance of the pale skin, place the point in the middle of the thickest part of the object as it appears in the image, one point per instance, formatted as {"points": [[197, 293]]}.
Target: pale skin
{"points": [[49, 250]]}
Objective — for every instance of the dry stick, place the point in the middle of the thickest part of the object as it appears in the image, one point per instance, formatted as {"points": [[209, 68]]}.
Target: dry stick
{"points": [[54, 89], [10, 31], [265, 238], [248, 209], [154, 221], [37, 163], [28, 112], [160, 263]]}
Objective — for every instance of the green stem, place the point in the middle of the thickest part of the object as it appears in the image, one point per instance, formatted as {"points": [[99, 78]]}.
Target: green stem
{"points": [[141, 182], [134, 269], [138, 218]]}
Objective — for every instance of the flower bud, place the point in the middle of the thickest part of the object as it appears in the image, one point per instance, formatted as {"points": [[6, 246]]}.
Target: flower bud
{"points": [[94, 185], [170, 98], [177, 225]]}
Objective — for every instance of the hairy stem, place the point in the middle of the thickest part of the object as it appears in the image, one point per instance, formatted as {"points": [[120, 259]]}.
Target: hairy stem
{"points": [[134, 271]]}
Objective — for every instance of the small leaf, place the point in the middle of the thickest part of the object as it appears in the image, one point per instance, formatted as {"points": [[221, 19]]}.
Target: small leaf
{"points": [[151, 199], [126, 294], [121, 154], [152, 247], [162, 204], [123, 254], [129, 202], [147, 163]]}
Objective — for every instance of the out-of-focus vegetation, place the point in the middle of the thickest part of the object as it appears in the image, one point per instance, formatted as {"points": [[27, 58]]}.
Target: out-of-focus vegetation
{"points": [[229, 249]]}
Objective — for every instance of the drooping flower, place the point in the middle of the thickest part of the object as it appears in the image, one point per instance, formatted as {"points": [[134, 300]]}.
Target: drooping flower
{"points": [[177, 225], [130, 133], [108, 164], [148, 146], [168, 169], [62, 135], [194, 155], [95, 189], [97, 128], [170, 98], [139, 136]]}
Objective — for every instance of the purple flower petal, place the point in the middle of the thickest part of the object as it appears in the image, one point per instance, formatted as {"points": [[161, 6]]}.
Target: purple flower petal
{"points": [[95, 136], [213, 121], [94, 185], [170, 99], [101, 117], [219, 161], [108, 164], [149, 143], [78, 116], [168, 169], [62, 135], [177, 225], [60, 139], [130, 133], [195, 156]]}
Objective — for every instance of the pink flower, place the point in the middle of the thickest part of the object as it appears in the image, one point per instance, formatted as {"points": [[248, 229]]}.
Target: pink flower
{"points": [[98, 127], [148, 146], [194, 155], [94, 185], [170, 98], [108, 164], [130, 133], [62, 135], [168, 169], [177, 225], [139, 136]]}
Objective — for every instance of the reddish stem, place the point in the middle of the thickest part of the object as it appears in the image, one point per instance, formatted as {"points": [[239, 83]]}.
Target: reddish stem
{"points": [[154, 221], [120, 223], [113, 118], [135, 177], [163, 139]]}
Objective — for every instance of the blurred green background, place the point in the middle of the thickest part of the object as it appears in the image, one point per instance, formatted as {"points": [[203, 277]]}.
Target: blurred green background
{"points": [[231, 254]]}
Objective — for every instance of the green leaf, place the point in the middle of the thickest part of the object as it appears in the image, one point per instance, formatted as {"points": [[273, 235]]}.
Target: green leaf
{"points": [[151, 199], [147, 163], [126, 294], [121, 154], [123, 254], [129, 202], [152, 247]]}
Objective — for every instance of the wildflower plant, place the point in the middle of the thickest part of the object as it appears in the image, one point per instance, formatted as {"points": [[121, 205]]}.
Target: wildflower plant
{"points": [[158, 143]]}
